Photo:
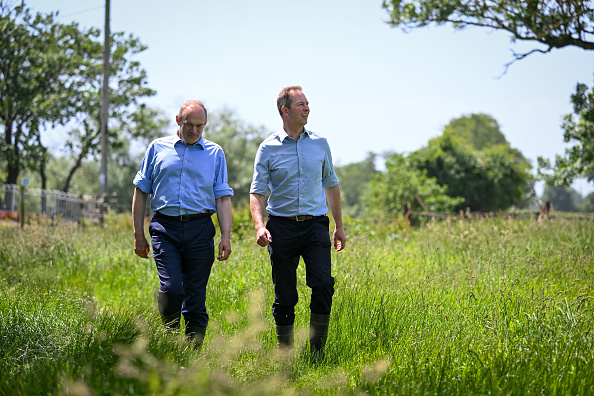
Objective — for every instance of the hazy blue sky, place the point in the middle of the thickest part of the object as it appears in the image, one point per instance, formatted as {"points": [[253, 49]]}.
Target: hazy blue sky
{"points": [[371, 87]]}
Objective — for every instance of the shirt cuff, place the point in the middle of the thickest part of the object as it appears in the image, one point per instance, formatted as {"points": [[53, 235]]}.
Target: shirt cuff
{"points": [[259, 188], [222, 190]]}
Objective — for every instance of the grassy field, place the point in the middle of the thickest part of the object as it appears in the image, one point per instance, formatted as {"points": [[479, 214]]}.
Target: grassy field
{"points": [[486, 306]]}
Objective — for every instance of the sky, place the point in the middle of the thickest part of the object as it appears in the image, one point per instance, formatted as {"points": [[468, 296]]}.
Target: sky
{"points": [[371, 87]]}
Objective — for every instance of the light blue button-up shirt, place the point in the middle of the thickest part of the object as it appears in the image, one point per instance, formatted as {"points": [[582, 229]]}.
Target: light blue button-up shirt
{"points": [[296, 172], [183, 179]]}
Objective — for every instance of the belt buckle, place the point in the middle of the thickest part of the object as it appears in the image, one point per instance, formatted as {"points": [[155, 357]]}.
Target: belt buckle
{"points": [[297, 218], [182, 218]]}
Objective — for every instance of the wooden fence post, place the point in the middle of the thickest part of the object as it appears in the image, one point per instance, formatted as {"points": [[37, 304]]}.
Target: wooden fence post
{"points": [[406, 212]]}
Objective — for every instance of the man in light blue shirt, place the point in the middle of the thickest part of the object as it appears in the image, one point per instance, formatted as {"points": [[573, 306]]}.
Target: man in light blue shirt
{"points": [[295, 165], [186, 178]]}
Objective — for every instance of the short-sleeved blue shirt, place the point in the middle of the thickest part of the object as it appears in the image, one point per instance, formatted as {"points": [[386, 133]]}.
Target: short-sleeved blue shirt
{"points": [[296, 172], [183, 179]]}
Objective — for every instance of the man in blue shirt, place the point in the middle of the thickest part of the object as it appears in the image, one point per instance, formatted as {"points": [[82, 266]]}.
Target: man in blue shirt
{"points": [[186, 177], [295, 164]]}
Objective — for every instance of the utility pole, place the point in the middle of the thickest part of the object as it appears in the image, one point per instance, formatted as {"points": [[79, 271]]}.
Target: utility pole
{"points": [[105, 106]]}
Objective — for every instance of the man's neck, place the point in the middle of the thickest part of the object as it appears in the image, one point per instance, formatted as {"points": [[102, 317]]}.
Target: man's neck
{"points": [[294, 132]]}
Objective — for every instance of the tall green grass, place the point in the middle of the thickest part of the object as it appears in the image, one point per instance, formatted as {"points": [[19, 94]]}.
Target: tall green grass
{"points": [[488, 306]]}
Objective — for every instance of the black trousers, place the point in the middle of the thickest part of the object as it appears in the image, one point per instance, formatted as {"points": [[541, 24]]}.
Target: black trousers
{"points": [[184, 254], [291, 240]]}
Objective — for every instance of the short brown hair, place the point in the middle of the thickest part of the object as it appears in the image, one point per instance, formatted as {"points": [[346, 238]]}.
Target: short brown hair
{"points": [[191, 103], [284, 99]]}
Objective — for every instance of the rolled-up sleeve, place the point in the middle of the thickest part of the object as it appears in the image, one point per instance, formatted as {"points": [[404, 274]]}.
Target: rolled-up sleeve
{"points": [[143, 179], [261, 175], [329, 178], [221, 186]]}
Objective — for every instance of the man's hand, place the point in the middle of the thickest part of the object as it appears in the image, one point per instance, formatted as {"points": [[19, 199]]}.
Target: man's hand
{"points": [[263, 237], [141, 247], [224, 249], [339, 239]]}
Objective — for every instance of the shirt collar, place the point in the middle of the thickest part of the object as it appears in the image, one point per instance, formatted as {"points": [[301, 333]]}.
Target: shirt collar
{"points": [[199, 142], [282, 135]]}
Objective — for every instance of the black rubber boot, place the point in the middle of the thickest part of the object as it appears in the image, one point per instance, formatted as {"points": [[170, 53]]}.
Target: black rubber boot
{"points": [[284, 336], [195, 335], [170, 319], [318, 332]]}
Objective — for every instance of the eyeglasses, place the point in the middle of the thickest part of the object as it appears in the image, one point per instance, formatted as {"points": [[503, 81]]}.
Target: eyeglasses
{"points": [[190, 126]]}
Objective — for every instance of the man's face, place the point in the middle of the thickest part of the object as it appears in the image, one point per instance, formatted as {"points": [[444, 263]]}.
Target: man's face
{"points": [[192, 124], [299, 111]]}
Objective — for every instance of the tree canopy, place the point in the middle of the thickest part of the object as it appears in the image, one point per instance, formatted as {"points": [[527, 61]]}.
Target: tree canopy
{"points": [[473, 160], [388, 191], [354, 180], [554, 24], [240, 142], [578, 161], [41, 64], [51, 74], [563, 198]]}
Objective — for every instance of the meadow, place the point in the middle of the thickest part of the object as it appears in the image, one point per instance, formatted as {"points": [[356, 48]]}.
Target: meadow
{"points": [[484, 306]]}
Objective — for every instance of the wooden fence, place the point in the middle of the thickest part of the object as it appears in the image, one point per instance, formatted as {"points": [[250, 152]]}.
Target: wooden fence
{"points": [[543, 213]]}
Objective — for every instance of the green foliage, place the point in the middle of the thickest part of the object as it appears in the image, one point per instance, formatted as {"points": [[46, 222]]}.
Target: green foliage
{"points": [[555, 24], [42, 64], [388, 191], [563, 198], [588, 203], [456, 307], [578, 161], [479, 131], [51, 74], [240, 142], [354, 179], [473, 160]]}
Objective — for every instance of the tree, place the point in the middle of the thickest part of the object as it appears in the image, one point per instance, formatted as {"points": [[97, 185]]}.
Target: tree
{"points": [[240, 142], [354, 180], [41, 64], [127, 86], [388, 191], [578, 161], [52, 74], [473, 160], [588, 203], [479, 131], [143, 125], [563, 198], [554, 24]]}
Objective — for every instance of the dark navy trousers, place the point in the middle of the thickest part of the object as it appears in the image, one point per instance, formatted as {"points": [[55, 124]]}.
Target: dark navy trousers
{"points": [[291, 240], [184, 254]]}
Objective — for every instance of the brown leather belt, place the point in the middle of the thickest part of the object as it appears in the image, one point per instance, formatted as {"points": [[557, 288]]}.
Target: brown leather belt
{"points": [[187, 217]]}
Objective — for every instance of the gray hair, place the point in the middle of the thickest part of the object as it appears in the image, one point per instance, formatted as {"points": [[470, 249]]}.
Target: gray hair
{"points": [[191, 103]]}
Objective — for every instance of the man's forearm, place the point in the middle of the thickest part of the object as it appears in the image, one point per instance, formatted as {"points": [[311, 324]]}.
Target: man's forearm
{"points": [[138, 211], [225, 216], [258, 207], [333, 198]]}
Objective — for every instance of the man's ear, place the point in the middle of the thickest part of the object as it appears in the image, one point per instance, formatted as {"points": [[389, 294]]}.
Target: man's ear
{"points": [[285, 110]]}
